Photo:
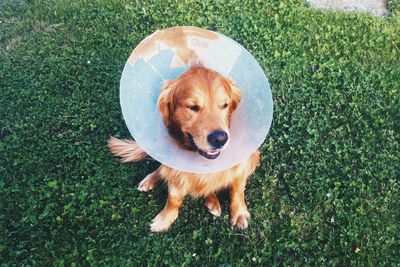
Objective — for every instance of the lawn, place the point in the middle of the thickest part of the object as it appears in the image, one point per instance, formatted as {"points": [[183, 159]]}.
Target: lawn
{"points": [[327, 191]]}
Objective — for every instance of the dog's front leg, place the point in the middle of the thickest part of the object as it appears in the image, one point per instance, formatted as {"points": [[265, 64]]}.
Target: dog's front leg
{"points": [[167, 216], [239, 213]]}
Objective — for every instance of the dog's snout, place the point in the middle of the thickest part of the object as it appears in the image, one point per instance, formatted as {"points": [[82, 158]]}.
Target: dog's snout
{"points": [[217, 139]]}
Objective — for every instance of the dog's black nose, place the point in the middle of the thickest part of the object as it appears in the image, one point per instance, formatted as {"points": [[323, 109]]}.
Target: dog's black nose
{"points": [[217, 139]]}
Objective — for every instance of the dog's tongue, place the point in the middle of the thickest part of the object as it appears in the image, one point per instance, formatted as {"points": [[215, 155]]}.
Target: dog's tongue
{"points": [[210, 154]]}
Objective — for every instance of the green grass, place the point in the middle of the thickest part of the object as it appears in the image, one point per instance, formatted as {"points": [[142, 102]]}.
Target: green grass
{"points": [[394, 6], [329, 178]]}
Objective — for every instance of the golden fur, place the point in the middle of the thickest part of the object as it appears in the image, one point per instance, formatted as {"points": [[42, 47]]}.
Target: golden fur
{"points": [[199, 102]]}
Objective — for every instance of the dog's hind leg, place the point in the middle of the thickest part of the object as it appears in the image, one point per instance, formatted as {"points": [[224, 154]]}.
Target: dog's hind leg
{"points": [[150, 181], [212, 203]]}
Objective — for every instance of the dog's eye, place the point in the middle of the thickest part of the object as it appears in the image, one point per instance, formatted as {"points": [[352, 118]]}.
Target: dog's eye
{"points": [[225, 106], [195, 108]]}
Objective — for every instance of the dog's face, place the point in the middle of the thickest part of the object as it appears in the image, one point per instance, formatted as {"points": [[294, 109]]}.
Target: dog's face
{"points": [[197, 107]]}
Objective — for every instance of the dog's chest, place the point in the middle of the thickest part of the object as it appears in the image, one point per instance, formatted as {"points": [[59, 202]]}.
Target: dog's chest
{"points": [[202, 185], [207, 184]]}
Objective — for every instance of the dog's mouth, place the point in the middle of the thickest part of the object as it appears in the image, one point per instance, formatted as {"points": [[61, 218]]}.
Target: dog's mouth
{"points": [[211, 154]]}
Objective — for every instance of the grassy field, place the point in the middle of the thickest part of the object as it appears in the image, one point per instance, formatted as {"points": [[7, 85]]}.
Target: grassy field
{"points": [[326, 193]]}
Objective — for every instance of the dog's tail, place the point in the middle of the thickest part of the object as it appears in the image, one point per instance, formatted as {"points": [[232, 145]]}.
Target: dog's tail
{"points": [[127, 150]]}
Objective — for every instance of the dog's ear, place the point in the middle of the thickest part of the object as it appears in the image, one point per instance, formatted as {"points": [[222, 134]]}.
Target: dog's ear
{"points": [[165, 101], [236, 95]]}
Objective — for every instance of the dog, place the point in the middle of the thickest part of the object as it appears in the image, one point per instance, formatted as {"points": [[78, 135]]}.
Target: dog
{"points": [[196, 109]]}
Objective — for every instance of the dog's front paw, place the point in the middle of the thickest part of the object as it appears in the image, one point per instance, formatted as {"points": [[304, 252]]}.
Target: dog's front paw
{"points": [[161, 223], [241, 219]]}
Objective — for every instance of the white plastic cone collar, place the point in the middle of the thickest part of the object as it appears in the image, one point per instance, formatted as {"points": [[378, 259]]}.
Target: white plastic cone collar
{"points": [[166, 54]]}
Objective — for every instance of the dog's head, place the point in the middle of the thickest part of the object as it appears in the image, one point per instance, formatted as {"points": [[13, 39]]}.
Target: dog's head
{"points": [[197, 107]]}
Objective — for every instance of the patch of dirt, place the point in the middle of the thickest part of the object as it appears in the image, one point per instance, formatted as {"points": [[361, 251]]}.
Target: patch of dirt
{"points": [[13, 42], [377, 7]]}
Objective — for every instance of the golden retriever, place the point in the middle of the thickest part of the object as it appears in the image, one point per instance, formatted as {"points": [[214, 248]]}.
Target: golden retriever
{"points": [[196, 108]]}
